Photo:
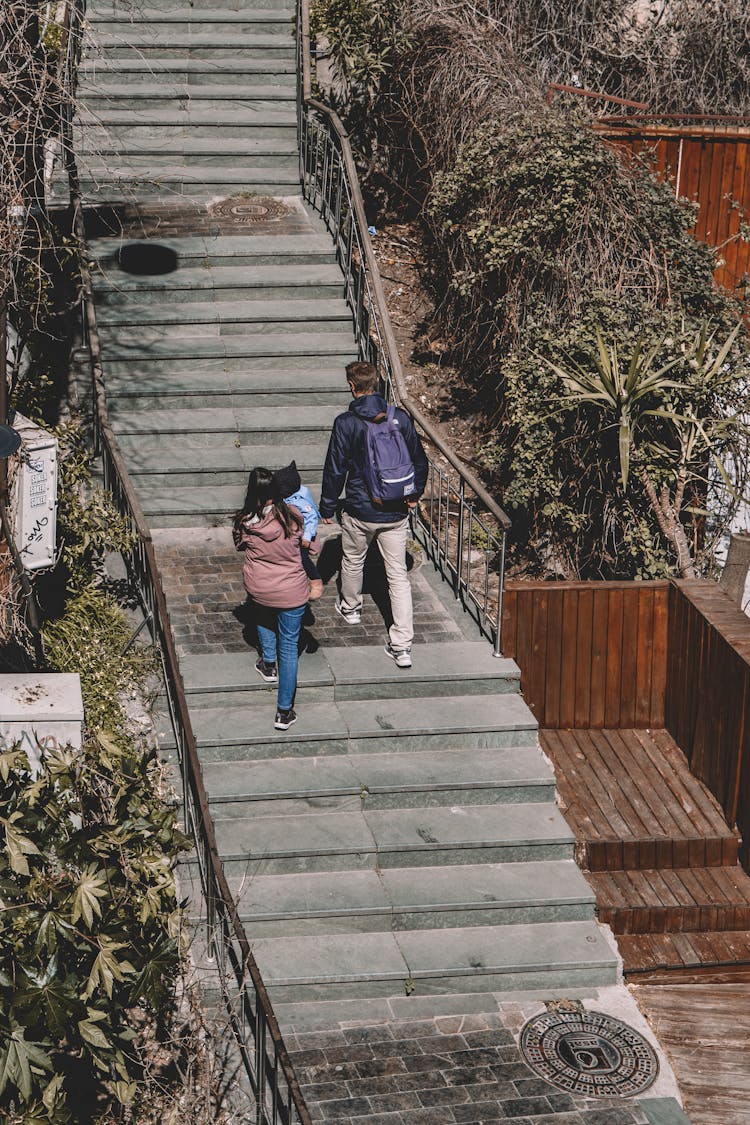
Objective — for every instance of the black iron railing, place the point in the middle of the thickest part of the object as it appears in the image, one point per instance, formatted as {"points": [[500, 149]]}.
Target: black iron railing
{"points": [[266, 1064], [461, 528]]}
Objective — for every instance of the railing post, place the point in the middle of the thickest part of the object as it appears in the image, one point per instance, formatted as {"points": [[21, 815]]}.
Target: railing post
{"points": [[460, 537], [497, 647]]}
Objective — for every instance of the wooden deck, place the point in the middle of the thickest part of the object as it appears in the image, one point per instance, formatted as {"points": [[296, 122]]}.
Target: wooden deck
{"points": [[705, 1030], [657, 852], [633, 803]]}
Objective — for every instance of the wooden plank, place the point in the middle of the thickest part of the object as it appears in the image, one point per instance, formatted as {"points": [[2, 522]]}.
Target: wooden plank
{"points": [[644, 659], [659, 655], [613, 686], [629, 657], [535, 686], [600, 629], [584, 636], [700, 804], [667, 809], [606, 787], [569, 658], [625, 787], [553, 658]]}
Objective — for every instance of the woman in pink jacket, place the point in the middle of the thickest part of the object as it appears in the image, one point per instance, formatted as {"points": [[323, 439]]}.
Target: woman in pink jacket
{"points": [[270, 533]]}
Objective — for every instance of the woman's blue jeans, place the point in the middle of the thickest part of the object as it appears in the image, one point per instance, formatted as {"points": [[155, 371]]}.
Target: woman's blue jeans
{"points": [[288, 627]]}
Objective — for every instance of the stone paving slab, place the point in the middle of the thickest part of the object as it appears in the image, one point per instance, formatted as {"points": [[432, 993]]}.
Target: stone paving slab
{"points": [[462, 1068], [202, 576]]}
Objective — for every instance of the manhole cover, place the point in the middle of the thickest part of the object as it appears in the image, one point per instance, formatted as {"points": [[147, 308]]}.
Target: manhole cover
{"points": [[244, 210], [589, 1053]]}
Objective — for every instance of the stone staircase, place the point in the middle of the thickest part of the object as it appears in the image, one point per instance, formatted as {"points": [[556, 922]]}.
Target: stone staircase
{"points": [[187, 100], [403, 837]]}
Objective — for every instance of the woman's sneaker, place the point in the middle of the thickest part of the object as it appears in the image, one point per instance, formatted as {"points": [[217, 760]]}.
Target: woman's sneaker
{"points": [[351, 616], [284, 719], [267, 672], [402, 656]]}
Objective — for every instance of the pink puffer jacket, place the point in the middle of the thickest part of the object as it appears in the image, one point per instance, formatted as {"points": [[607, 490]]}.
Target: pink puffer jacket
{"points": [[273, 571]]}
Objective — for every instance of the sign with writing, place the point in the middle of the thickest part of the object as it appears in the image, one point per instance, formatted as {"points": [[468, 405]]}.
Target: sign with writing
{"points": [[34, 495]]}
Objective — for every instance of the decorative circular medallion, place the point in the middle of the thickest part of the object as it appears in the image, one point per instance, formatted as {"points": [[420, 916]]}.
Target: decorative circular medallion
{"points": [[243, 209], [589, 1053]]}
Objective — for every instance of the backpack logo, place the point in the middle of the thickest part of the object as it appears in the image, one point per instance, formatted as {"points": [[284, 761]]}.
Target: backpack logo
{"points": [[388, 468]]}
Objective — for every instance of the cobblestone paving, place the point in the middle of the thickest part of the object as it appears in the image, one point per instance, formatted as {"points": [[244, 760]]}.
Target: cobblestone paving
{"points": [[202, 576], [440, 1071]]}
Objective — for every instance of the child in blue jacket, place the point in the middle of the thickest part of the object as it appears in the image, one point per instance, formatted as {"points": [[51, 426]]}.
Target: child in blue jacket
{"points": [[298, 495]]}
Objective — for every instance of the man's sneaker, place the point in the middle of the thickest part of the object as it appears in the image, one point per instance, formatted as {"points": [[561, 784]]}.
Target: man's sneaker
{"points": [[267, 672], [402, 656], [284, 719], [351, 616]]}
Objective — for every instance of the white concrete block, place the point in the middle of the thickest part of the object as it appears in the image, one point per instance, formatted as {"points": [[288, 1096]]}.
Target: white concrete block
{"points": [[40, 710]]}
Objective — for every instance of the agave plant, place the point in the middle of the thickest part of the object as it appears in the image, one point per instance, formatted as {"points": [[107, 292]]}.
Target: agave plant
{"points": [[641, 387]]}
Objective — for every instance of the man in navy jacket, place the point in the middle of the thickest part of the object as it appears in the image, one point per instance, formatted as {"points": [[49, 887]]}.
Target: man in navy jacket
{"points": [[362, 520]]}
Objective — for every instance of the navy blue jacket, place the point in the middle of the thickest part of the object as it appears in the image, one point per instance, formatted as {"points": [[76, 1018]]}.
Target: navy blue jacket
{"points": [[346, 457]]}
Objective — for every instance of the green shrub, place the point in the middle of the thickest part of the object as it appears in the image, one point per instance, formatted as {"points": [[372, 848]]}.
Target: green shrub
{"points": [[90, 928]]}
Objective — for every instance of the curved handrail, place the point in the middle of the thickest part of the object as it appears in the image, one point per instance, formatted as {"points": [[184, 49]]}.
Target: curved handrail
{"points": [[223, 920], [402, 392]]}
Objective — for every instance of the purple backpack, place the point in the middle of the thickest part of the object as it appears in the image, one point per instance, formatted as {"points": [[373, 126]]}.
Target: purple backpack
{"points": [[388, 468]]}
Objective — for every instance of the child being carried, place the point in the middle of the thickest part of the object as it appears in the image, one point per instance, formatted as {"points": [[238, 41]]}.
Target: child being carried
{"points": [[298, 495]]}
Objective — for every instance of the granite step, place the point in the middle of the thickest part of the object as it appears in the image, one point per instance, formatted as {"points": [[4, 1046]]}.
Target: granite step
{"points": [[357, 672], [333, 840], [265, 282], [371, 726], [194, 505], [350, 902], [138, 158], [207, 253], [145, 387], [217, 426], [158, 464], [100, 73], [199, 118], [351, 782], [220, 97], [118, 180], [279, 347], [223, 316], [163, 15], [260, 30], [555, 956]]}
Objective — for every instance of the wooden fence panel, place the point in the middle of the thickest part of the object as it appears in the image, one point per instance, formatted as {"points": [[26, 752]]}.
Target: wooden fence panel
{"points": [[591, 654], [708, 694], [708, 163]]}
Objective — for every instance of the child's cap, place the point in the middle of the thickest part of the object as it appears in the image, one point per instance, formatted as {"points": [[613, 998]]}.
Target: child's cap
{"points": [[288, 479]]}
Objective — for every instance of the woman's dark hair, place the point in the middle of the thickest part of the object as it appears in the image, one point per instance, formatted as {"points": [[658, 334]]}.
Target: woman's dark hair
{"points": [[262, 488]]}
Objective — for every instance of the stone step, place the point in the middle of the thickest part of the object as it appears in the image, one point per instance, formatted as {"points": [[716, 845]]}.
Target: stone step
{"points": [[280, 281], [221, 96], [155, 41], [143, 386], [372, 726], [240, 71], [209, 505], [321, 347], [157, 463], [178, 11], [351, 782], [556, 956], [157, 178], [217, 425], [124, 146], [200, 118], [350, 902], [204, 252], [357, 672], [330, 840], [218, 317]]}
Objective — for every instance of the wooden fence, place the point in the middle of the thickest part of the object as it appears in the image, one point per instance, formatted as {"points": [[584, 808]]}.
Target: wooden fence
{"points": [[708, 161], [592, 654], [642, 654], [707, 705]]}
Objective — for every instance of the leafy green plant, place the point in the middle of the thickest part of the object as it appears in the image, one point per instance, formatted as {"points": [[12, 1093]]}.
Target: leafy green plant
{"points": [[91, 925], [676, 430]]}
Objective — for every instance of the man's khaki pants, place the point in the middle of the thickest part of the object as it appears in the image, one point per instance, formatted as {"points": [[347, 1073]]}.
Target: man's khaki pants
{"points": [[356, 537]]}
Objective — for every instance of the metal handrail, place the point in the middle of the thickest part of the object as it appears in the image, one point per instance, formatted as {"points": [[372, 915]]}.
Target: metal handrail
{"points": [[451, 521], [265, 1059]]}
